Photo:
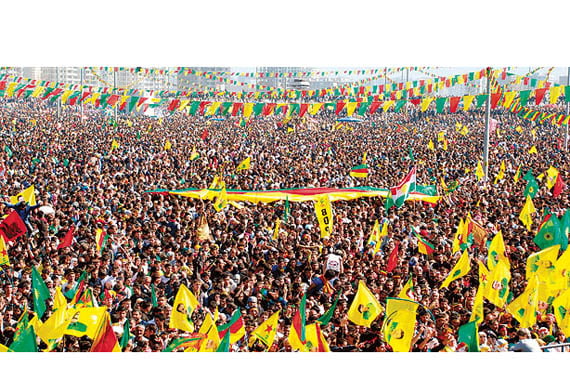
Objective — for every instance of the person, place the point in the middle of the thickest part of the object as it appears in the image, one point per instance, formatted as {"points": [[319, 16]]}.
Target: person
{"points": [[525, 343], [24, 209]]}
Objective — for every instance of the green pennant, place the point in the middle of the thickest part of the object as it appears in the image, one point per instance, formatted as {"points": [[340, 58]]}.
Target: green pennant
{"points": [[153, 298], [224, 345], [257, 108], [399, 105], [26, 341], [524, 97], [294, 109], [469, 335], [126, 335], [363, 108], [326, 317], [440, 104], [193, 108], [480, 100]]}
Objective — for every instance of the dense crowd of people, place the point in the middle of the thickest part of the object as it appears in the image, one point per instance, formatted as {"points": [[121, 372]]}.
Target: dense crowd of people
{"points": [[153, 241]]}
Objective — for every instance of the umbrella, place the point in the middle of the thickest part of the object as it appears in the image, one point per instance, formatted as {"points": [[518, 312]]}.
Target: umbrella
{"points": [[217, 119], [350, 119]]}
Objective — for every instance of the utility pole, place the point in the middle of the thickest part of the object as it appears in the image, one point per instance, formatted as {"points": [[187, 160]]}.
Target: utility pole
{"points": [[487, 120]]}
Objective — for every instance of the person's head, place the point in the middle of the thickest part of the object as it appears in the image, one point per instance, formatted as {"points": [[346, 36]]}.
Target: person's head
{"points": [[523, 334]]}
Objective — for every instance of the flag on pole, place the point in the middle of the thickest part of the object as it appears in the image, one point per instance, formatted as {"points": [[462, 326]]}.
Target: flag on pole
{"points": [[408, 290], [101, 238], [479, 173], [244, 165], [400, 192], [360, 171], [460, 269], [527, 210], [67, 239], [167, 145], [424, 246], [323, 209], [194, 155], [399, 323], [525, 306], [184, 305], [266, 331], [40, 291], [365, 308], [235, 327]]}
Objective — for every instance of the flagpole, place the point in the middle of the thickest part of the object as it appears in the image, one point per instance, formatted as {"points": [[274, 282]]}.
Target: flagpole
{"points": [[567, 113], [81, 104], [57, 84], [487, 119], [114, 87]]}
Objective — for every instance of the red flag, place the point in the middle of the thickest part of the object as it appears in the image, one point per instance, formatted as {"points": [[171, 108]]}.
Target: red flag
{"points": [[539, 94], [453, 103], [393, 259], [12, 227], [68, 239], [339, 107], [204, 134], [559, 186]]}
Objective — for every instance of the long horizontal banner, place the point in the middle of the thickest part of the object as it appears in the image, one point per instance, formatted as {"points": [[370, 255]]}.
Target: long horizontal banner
{"points": [[422, 193]]}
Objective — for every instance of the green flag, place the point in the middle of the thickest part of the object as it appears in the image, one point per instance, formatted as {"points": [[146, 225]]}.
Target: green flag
{"points": [[153, 296], [440, 104], [531, 187], [126, 334], [25, 341], [480, 100], [524, 97], [326, 317], [40, 292], [287, 209], [8, 150], [469, 335], [550, 233], [224, 345], [411, 154]]}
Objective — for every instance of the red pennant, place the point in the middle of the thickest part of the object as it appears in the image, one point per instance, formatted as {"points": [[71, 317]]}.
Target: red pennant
{"points": [[303, 109], [174, 104], [415, 102], [495, 99], [339, 107], [12, 227], [236, 108], [204, 134], [373, 107], [559, 186], [202, 107], [539, 94], [453, 103], [112, 100], [393, 259]]}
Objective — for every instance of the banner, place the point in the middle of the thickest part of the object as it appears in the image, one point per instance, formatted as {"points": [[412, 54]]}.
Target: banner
{"points": [[323, 210]]}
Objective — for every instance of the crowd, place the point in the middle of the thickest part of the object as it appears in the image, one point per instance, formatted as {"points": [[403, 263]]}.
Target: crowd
{"points": [[153, 241]]}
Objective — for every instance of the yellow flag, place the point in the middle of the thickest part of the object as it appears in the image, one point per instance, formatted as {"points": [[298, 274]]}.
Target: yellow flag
{"points": [[203, 231], [441, 136], [519, 129], [517, 174], [365, 308], [114, 145], [533, 150], [364, 158], [561, 307], [374, 234], [215, 183], [460, 269], [4, 348], [407, 291], [551, 176], [28, 194], [167, 145], [525, 306], [276, 229], [456, 242], [501, 173], [314, 340], [59, 300], [554, 94], [478, 313], [350, 107], [314, 108], [222, 199], [266, 331], [194, 155], [244, 165], [533, 132], [464, 131], [430, 145], [399, 324], [82, 321], [323, 210], [496, 250], [184, 305], [4, 259], [479, 172], [444, 144], [497, 290], [212, 340], [542, 263], [526, 212], [55, 326], [290, 130], [561, 276]]}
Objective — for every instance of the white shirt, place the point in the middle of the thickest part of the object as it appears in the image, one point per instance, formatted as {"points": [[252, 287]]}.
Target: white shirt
{"points": [[333, 262]]}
